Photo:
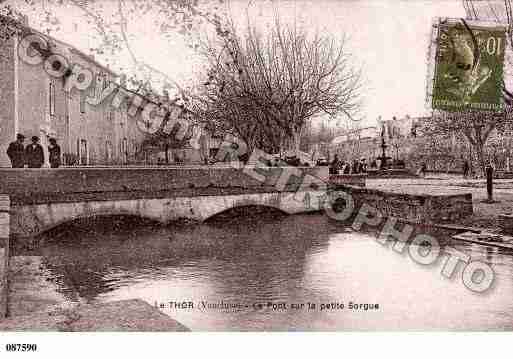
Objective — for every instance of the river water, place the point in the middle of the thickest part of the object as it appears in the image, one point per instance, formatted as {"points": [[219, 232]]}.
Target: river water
{"points": [[268, 268]]}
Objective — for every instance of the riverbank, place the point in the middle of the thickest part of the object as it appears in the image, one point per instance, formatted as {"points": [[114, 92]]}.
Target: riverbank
{"points": [[37, 304], [124, 315]]}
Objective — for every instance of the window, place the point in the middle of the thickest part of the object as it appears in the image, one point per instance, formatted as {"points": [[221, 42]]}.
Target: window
{"points": [[92, 91], [105, 82], [82, 102], [108, 151], [82, 152], [51, 99], [124, 150], [98, 87]]}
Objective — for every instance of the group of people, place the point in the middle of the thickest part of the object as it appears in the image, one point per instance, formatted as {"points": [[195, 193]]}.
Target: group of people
{"points": [[33, 155], [338, 166]]}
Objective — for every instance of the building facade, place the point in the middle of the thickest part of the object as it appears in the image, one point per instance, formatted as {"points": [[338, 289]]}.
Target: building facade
{"points": [[35, 103], [90, 129]]}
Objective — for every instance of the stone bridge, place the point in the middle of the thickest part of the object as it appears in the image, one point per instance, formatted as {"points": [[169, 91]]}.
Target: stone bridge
{"points": [[41, 199]]}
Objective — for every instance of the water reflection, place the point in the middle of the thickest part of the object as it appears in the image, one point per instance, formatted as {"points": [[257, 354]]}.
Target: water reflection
{"points": [[272, 258]]}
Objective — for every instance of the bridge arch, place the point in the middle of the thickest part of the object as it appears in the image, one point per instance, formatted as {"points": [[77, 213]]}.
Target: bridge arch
{"points": [[95, 219], [30, 220], [246, 210]]}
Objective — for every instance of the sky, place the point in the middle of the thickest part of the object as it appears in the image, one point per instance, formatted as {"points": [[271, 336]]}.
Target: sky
{"points": [[390, 39], [387, 38]]}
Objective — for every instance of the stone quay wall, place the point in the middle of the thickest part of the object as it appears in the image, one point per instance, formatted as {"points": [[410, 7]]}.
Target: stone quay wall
{"points": [[417, 209], [506, 223], [4, 253], [359, 179]]}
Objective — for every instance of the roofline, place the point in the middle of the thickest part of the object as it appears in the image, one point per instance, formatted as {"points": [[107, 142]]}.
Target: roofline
{"points": [[77, 51], [73, 49], [90, 59]]}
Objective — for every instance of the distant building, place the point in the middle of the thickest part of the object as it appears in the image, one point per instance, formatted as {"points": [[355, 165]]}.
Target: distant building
{"points": [[356, 144], [366, 142], [399, 135]]}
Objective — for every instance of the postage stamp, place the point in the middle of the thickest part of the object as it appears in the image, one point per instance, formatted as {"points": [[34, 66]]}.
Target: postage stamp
{"points": [[468, 66]]}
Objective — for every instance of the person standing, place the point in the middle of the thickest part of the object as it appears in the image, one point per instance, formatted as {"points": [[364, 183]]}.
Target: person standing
{"points": [[422, 170], [356, 167], [204, 148], [347, 168], [489, 181], [16, 152], [54, 153], [334, 166], [34, 155], [465, 169], [363, 166]]}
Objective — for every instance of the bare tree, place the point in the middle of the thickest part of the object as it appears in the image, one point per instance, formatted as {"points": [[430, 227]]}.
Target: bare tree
{"points": [[475, 127], [265, 85], [434, 150]]}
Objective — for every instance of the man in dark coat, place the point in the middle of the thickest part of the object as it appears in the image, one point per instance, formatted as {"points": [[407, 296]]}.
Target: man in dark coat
{"points": [[465, 169], [34, 155], [16, 152], [54, 151], [335, 165], [363, 165], [356, 167]]}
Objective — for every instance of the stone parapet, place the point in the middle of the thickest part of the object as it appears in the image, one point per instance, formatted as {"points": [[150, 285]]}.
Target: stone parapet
{"points": [[27, 183]]}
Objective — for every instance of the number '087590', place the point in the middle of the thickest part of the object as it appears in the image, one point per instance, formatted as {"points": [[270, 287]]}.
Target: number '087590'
{"points": [[20, 347]]}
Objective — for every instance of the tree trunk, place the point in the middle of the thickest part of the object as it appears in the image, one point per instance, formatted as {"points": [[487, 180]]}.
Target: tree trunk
{"points": [[481, 158], [477, 140], [296, 141]]}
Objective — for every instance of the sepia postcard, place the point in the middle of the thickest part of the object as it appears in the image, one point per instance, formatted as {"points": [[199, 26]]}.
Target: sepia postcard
{"points": [[255, 166]]}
